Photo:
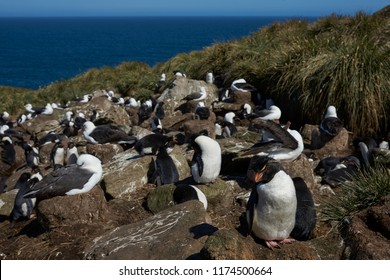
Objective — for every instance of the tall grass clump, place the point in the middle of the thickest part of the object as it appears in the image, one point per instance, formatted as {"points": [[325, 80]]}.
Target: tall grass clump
{"points": [[14, 99], [366, 189], [338, 61]]}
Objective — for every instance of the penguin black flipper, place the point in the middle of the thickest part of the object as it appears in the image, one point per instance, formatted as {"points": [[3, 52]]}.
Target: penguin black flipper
{"points": [[197, 159], [250, 210], [166, 167], [9, 155], [305, 217], [154, 174]]}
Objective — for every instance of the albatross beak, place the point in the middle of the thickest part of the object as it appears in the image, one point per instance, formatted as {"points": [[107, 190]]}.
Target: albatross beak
{"points": [[287, 126]]}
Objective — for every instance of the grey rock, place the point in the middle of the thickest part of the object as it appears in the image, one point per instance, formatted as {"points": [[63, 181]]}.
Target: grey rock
{"points": [[176, 233], [323, 145], [104, 152], [229, 244], [87, 208], [368, 233], [7, 202], [127, 172]]}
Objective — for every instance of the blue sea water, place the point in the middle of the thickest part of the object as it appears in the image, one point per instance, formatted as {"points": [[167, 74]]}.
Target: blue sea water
{"points": [[35, 52]]}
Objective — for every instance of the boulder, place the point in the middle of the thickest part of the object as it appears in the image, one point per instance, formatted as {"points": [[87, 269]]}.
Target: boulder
{"points": [[133, 115], [178, 156], [229, 244], [160, 198], [7, 202], [301, 167], [108, 111], [232, 162], [44, 154], [368, 234], [192, 127], [127, 172], [139, 132], [220, 196], [43, 124], [175, 233], [104, 152], [323, 145], [60, 211], [175, 108], [241, 98], [6, 169], [123, 212], [183, 87]]}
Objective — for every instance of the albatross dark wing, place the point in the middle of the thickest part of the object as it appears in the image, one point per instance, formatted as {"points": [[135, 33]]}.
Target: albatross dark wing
{"points": [[59, 182], [110, 133], [279, 132], [283, 139]]}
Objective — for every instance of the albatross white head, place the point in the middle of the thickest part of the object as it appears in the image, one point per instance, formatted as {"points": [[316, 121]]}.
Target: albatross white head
{"points": [[88, 128], [94, 166], [331, 112]]}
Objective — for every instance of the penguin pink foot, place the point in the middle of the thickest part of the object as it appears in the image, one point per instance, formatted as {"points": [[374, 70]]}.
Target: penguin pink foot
{"points": [[287, 241], [32, 216], [272, 244]]}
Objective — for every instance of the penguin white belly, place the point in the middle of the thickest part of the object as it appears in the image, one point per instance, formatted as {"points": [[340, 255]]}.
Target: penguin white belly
{"points": [[211, 169], [274, 216]]}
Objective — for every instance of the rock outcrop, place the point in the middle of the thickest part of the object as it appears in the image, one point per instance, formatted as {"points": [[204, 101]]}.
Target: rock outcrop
{"points": [[175, 233]]}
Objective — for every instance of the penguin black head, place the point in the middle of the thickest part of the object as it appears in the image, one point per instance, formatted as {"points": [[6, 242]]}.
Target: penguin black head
{"points": [[203, 113], [24, 177], [179, 139], [71, 144], [192, 143], [265, 168]]}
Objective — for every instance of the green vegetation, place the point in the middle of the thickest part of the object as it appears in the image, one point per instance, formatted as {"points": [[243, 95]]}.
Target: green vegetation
{"points": [[337, 60], [365, 190]]}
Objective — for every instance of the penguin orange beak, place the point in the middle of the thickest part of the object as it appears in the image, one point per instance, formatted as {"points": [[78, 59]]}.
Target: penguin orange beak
{"points": [[258, 176]]}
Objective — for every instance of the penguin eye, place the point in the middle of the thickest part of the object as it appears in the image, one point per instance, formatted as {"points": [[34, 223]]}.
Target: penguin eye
{"points": [[264, 168]]}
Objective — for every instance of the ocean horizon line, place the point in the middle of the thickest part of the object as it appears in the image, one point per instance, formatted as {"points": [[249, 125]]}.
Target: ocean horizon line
{"points": [[158, 17]]}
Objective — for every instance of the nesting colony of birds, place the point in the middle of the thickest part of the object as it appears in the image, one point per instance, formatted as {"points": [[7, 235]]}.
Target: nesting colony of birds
{"points": [[67, 150]]}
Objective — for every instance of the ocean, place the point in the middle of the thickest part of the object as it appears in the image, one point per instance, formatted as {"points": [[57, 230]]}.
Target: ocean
{"points": [[35, 52]]}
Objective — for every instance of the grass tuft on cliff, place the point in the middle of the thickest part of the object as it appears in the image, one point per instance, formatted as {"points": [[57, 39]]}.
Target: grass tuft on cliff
{"points": [[365, 190]]}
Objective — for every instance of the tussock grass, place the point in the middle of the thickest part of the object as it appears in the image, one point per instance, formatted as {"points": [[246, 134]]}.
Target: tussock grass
{"points": [[13, 99], [365, 190]]}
